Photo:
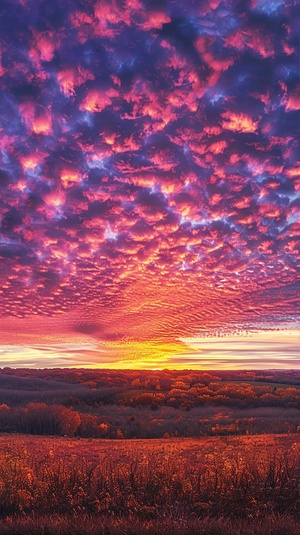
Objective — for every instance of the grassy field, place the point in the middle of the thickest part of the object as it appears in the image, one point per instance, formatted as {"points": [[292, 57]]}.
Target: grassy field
{"points": [[207, 485], [93, 525]]}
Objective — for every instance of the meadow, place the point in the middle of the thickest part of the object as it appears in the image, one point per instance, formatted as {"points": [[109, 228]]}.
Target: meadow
{"points": [[104, 452], [211, 485]]}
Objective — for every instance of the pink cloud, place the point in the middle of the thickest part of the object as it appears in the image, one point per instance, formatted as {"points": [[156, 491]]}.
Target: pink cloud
{"points": [[239, 122]]}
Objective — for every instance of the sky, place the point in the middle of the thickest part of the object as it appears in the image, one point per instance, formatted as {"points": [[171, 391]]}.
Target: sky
{"points": [[150, 183]]}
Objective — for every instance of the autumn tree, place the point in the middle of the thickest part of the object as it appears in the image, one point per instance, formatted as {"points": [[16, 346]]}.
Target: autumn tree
{"points": [[42, 419]]}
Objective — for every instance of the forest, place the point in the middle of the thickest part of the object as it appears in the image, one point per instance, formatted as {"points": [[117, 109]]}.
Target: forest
{"points": [[148, 404]]}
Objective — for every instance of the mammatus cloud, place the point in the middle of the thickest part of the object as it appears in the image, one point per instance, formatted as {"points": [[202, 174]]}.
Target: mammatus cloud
{"points": [[150, 173]]}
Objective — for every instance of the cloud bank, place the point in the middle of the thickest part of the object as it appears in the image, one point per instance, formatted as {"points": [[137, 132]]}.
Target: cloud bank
{"points": [[150, 173]]}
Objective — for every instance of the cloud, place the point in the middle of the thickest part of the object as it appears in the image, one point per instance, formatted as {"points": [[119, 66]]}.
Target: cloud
{"points": [[150, 178]]}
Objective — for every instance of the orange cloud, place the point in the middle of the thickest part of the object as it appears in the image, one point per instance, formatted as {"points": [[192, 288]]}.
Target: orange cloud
{"points": [[239, 122], [96, 100]]}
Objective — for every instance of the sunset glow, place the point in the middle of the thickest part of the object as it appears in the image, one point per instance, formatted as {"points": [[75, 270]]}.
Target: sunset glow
{"points": [[150, 184]]}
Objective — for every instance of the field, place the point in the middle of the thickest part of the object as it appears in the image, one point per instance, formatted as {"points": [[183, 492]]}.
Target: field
{"points": [[220, 485], [104, 452]]}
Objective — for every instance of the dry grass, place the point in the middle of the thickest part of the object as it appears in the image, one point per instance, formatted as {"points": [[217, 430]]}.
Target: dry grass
{"points": [[91, 525], [186, 486]]}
